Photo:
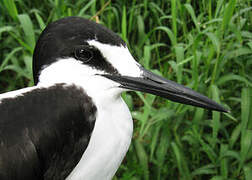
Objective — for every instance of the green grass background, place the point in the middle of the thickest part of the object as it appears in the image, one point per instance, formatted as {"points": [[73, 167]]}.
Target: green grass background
{"points": [[205, 45]]}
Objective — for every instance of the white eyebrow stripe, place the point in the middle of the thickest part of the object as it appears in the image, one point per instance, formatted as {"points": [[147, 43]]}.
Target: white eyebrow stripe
{"points": [[119, 57]]}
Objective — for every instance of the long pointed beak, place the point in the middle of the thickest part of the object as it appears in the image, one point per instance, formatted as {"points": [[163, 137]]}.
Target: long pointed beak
{"points": [[157, 85]]}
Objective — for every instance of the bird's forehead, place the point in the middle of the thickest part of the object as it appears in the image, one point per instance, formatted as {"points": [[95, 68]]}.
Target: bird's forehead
{"points": [[119, 57]]}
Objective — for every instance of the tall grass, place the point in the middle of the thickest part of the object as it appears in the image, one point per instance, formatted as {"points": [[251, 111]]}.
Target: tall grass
{"points": [[205, 45]]}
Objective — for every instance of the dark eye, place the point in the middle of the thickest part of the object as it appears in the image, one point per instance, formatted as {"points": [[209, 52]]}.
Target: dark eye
{"points": [[83, 55]]}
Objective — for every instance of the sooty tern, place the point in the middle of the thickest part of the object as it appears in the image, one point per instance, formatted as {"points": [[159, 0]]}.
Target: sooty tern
{"points": [[73, 124]]}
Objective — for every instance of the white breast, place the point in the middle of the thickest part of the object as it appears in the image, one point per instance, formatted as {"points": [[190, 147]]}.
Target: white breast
{"points": [[109, 142]]}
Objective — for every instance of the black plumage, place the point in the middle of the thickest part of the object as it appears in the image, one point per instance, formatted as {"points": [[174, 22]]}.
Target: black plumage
{"points": [[47, 142]]}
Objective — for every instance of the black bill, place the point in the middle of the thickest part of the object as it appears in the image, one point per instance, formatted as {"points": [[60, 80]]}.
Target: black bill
{"points": [[154, 84]]}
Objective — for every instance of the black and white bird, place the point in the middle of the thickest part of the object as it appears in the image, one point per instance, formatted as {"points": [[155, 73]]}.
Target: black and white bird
{"points": [[73, 124]]}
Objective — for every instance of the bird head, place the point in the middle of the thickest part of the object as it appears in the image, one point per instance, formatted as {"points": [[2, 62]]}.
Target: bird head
{"points": [[80, 51]]}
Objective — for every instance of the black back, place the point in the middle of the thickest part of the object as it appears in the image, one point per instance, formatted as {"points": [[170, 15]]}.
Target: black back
{"points": [[44, 133], [61, 37]]}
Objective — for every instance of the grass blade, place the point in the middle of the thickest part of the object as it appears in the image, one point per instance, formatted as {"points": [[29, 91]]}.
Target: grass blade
{"points": [[228, 14], [174, 19], [124, 24], [245, 110], [11, 8], [143, 158], [183, 168], [190, 10], [248, 172], [28, 29], [216, 115]]}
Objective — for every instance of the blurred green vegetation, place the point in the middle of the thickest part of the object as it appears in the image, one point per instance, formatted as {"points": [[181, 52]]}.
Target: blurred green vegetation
{"points": [[205, 45]]}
